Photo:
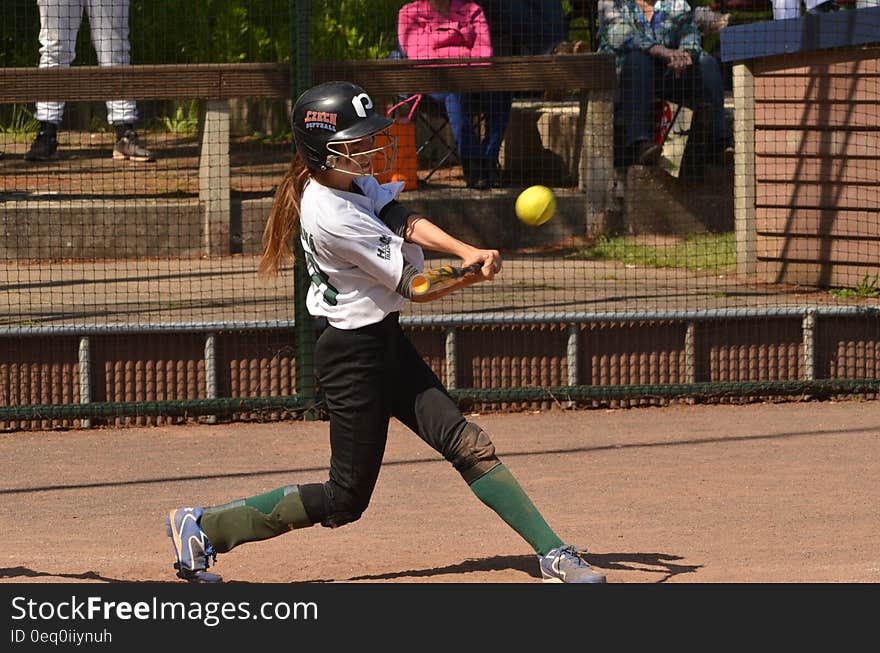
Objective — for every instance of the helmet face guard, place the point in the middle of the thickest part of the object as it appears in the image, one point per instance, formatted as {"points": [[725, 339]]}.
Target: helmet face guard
{"points": [[337, 121], [371, 155]]}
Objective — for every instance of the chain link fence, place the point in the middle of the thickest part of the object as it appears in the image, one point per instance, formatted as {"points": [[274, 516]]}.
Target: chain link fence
{"points": [[715, 172]]}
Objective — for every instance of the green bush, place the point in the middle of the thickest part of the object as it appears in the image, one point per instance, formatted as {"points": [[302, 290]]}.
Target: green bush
{"points": [[19, 28], [354, 29], [210, 31], [219, 31]]}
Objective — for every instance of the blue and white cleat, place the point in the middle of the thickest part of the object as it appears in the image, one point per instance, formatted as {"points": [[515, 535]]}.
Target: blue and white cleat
{"points": [[191, 546], [564, 564]]}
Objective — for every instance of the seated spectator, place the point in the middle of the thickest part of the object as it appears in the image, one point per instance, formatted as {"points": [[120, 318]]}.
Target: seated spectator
{"points": [[453, 29], [710, 22], [658, 54], [525, 27]]}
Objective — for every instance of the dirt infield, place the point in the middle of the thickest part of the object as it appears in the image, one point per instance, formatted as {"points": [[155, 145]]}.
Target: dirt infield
{"points": [[758, 493]]}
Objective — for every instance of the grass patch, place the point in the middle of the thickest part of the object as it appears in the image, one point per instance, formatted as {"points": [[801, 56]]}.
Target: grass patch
{"points": [[184, 120], [285, 136], [865, 289], [699, 253], [21, 122]]}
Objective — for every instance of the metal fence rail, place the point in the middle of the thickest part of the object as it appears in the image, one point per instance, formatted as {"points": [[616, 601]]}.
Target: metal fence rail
{"points": [[560, 340]]}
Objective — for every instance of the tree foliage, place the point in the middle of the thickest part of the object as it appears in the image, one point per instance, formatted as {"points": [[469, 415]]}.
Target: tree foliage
{"points": [[219, 31], [354, 29]]}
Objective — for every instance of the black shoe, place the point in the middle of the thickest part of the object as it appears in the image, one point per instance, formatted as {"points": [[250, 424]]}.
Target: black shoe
{"points": [[476, 173], [45, 145], [729, 155], [719, 154], [825, 8], [129, 147], [496, 176], [648, 153]]}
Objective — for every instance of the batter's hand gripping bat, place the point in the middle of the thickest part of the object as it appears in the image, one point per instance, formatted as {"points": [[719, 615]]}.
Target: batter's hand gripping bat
{"points": [[442, 277]]}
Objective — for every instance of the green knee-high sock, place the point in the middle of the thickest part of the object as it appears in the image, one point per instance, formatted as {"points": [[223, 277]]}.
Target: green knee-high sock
{"points": [[254, 518], [500, 491]]}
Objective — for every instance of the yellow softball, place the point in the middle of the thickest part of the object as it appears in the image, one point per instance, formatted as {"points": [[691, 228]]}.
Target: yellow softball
{"points": [[535, 205]]}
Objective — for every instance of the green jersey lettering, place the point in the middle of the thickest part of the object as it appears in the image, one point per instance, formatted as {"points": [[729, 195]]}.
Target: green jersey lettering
{"points": [[319, 278]]}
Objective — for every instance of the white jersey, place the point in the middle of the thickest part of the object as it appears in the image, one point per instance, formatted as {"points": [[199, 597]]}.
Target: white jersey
{"points": [[354, 260]]}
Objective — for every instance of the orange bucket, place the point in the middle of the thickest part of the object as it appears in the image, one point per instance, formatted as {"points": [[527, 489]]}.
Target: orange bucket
{"points": [[406, 162]]}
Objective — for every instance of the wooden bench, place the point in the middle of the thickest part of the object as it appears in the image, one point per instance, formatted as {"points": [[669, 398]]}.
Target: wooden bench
{"points": [[590, 76], [213, 83], [588, 71]]}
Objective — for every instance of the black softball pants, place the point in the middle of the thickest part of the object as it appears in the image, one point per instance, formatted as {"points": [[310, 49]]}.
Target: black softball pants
{"points": [[367, 376], [643, 78]]}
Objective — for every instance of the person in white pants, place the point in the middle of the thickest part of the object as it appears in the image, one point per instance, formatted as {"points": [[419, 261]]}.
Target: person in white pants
{"points": [[783, 9], [60, 21]]}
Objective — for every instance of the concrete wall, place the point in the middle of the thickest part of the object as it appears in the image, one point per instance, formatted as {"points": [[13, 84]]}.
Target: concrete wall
{"points": [[49, 229], [72, 229]]}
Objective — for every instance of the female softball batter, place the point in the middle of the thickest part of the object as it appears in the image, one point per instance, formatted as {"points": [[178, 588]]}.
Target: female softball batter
{"points": [[362, 249]]}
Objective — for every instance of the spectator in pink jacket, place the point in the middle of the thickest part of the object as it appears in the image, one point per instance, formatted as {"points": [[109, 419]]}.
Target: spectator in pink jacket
{"points": [[455, 29]]}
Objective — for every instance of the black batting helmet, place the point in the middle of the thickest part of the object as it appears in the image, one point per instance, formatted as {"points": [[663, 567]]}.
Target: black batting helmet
{"points": [[329, 117]]}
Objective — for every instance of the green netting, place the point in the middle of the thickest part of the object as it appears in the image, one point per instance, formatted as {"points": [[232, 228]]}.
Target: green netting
{"points": [[715, 234]]}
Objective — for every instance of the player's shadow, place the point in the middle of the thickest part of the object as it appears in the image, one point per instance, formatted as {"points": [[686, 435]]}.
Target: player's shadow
{"points": [[24, 572], [662, 564]]}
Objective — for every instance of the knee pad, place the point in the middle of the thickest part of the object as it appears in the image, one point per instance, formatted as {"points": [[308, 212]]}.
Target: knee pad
{"points": [[472, 453]]}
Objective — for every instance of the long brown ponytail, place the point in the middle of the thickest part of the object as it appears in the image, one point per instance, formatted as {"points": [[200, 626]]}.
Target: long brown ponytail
{"points": [[283, 222]]}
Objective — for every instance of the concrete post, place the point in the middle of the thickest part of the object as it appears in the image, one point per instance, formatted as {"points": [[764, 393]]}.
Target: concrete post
{"points": [[744, 182], [596, 177], [214, 191]]}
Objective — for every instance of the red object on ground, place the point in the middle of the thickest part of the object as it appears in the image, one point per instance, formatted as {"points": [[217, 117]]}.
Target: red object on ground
{"points": [[662, 120]]}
